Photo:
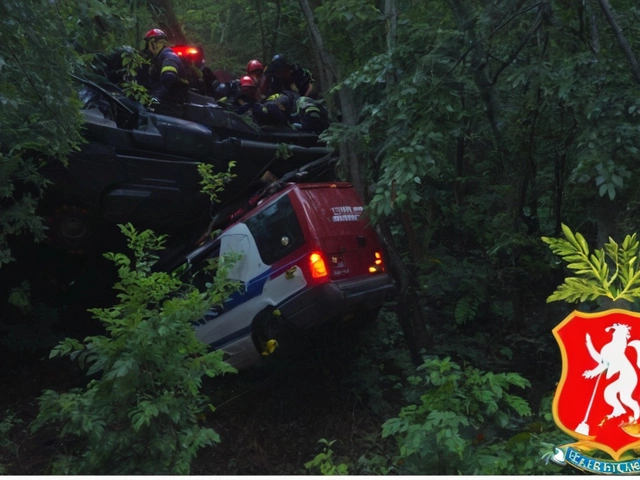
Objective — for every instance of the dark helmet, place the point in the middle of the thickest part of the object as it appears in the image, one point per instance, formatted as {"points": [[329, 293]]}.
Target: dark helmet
{"points": [[222, 90], [278, 63], [254, 66], [247, 81], [155, 33], [234, 86]]}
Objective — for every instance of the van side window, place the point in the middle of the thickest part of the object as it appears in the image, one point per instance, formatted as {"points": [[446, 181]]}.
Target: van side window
{"points": [[200, 272], [276, 231]]}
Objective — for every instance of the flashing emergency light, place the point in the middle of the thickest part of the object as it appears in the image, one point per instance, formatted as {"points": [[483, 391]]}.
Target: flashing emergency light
{"points": [[195, 54]]}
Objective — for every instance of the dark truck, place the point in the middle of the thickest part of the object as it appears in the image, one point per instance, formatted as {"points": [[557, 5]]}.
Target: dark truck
{"points": [[141, 167]]}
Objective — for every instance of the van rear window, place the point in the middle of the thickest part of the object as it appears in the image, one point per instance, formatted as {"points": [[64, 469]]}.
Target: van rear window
{"points": [[276, 231]]}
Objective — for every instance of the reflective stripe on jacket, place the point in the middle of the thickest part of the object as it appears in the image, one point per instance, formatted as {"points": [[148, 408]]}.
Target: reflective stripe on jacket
{"points": [[171, 76]]}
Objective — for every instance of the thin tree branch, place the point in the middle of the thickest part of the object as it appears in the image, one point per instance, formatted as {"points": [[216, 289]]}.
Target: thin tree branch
{"points": [[489, 35], [622, 41], [35, 89], [518, 49]]}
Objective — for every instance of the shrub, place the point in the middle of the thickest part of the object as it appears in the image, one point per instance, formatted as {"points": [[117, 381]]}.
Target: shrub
{"points": [[139, 412], [466, 422]]}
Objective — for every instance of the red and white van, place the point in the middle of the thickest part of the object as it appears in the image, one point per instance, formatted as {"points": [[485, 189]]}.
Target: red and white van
{"points": [[307, 256]]}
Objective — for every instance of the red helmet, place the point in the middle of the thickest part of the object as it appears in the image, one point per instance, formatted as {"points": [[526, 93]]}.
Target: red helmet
{"points": [[254, 65], [247, 81], [154, 33]]}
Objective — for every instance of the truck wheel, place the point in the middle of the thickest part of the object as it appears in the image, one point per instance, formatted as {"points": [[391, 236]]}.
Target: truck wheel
{"points": [[72, 229]]}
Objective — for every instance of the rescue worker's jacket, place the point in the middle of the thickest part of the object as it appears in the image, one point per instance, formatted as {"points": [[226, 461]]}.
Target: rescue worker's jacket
{"points": [[312, 115], [297, 81], [275, 110], [168, 77]]}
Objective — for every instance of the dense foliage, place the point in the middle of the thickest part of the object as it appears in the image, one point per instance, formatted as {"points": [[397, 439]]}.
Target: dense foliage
{"points": [[39, 115], [233, 33], [474, 129], [140, 415]]}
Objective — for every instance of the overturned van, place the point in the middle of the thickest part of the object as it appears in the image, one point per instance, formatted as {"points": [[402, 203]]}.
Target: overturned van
{"points": [[306, 256]]}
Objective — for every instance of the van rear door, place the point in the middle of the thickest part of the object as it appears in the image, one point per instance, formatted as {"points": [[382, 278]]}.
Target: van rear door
{"points": [[335, 218]]}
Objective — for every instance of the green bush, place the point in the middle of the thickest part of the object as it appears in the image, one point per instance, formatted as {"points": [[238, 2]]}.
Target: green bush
{"points": [[466, 422], [6, 424], [324, 462], [139, 412]]}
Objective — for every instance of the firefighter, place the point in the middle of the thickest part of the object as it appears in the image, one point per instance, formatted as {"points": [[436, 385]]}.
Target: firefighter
{"points": [[167, 74], [249, 95], [276, 110], [255, 70], [283, 76]]}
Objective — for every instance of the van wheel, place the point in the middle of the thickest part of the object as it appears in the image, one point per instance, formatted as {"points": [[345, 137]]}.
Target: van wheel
{"points": [[270, 331]]}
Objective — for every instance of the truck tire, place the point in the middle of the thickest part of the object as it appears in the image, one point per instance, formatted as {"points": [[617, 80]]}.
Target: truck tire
{"points": [[73, 229]]}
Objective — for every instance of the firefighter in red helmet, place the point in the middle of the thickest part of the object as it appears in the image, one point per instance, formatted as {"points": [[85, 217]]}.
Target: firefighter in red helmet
{"points": [[255, 70], [167, 74], [249, 94]]}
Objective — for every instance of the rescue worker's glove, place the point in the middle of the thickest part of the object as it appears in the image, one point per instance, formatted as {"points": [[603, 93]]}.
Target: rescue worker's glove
{"points": [[160, 92]]}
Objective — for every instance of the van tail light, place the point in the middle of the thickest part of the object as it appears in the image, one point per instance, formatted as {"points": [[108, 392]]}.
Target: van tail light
{"points": [[378, 265], [318, 266]]}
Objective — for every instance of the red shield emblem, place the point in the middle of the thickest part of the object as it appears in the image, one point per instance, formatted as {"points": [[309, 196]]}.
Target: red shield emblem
{"points": [[597, 400]]}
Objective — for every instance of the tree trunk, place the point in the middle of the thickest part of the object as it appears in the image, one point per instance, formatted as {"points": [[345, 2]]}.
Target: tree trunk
{"points": [[409, 308], [622, 40], [481, 76], [329, 76], [263, 37], [165, 15], [274, 36]]}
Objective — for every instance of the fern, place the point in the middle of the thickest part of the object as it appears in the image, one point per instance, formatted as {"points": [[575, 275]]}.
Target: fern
{"points": [[466, 309], [593, 276]]}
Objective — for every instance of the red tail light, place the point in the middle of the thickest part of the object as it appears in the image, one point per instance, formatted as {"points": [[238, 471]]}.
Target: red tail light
{"points": [[317, 265]]}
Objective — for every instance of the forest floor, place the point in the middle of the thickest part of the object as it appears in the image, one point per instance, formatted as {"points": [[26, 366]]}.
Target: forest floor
{"points": [[269, 418]]}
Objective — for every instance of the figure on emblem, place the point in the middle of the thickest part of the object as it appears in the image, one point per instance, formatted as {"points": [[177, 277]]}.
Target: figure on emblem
{"points": [[613, 359]]}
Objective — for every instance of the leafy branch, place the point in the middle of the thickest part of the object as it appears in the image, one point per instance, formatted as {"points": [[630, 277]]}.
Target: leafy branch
{"points": [[140, 413], [593, 275], [132, 61], [214, 183]]}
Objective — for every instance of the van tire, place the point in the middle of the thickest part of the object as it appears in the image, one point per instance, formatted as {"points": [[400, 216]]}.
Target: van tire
{"points": [[270, 325]]}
